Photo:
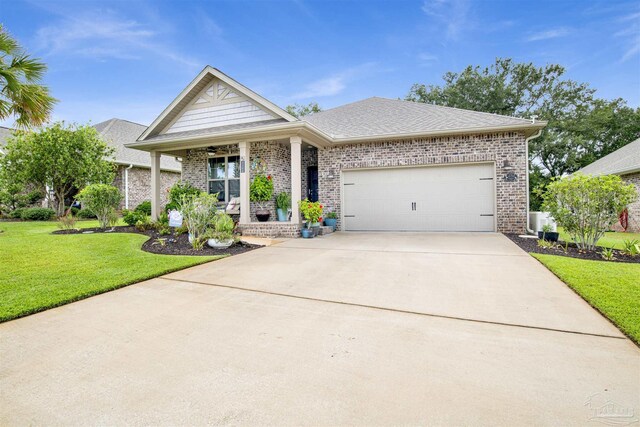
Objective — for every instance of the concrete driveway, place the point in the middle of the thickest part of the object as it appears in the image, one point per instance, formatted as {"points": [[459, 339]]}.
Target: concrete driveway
{"points": [[430, 329]]}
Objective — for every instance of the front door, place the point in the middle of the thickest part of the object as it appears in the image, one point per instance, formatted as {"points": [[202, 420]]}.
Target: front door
{"points": [[312, 183]]}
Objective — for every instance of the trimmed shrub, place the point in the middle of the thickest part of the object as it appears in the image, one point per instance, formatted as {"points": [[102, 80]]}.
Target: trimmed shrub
{"points": [[144, 207], [587, 206], [17, 213], [85, 214], [180, 191], [38, 214], [103, 200], [132, 217]]}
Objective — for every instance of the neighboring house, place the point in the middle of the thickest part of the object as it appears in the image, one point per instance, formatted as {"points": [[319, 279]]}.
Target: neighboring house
{"points": [[5, 133], [625, 162], [133, 176], [380, 164]]}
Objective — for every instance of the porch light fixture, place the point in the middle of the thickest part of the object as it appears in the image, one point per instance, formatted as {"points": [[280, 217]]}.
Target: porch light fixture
{"points": [[507, 165]]}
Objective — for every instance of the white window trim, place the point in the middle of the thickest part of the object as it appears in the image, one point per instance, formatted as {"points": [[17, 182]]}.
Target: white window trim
{"points": [[226, 173]]}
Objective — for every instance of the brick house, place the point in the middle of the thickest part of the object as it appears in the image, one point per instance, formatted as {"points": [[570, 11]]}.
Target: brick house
{"points": [[133, 176], [624, 162], [380, 164]]}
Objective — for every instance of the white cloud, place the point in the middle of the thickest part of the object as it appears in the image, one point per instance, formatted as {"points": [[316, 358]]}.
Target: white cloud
{"points": [[630, 35], [334, 84], [426, 59], [105, 34], [548, 34], [453, 14]]}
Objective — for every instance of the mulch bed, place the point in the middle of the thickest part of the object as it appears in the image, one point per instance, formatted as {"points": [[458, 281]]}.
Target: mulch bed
{"points": [[175, 244], [531, 245]]}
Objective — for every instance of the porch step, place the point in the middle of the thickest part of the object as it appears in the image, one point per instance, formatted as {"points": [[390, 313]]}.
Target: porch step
{"points": [[324, 230]]}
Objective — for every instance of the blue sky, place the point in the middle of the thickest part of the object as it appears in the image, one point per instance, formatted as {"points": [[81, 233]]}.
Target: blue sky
{"points": [[129, 59]]}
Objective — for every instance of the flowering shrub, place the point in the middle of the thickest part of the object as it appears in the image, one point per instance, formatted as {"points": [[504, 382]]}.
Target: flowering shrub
{"points": [[261, 188], [311, 211]]}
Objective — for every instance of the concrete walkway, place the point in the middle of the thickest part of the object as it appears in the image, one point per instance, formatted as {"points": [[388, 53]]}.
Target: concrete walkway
{"points": [[430, 329]]}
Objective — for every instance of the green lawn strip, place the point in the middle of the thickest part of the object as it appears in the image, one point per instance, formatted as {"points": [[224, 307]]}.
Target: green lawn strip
{"points": [[613, 288], [41, 270], [609, 240]]}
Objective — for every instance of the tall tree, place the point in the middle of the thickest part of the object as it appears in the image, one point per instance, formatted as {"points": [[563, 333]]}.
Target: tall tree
{"points": [[21, 94], [581, 127], [298, 110], [65, 158]]}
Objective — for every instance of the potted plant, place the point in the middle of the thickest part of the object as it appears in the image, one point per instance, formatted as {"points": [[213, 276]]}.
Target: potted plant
{"points": [[261, 192], [221, 236], [548, 234], [283, 204], [331, 220], [312, 213]]}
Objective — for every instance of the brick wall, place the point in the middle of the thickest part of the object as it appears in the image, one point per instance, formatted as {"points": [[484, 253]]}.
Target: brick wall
{"points": [[277, 158], [499, 148], [194, 168], [140, 185]]}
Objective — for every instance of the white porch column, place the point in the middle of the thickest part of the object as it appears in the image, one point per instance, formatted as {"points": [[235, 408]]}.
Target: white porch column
{"points": [[296, 177], [245, 167], [155, 184]]}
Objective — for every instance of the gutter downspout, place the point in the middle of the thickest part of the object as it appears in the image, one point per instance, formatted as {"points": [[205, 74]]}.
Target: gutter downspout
{"points": [[126, 187], [526, 147]]}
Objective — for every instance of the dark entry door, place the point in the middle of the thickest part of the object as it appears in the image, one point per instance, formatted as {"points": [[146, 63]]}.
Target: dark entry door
{"points": [[312, 183]]}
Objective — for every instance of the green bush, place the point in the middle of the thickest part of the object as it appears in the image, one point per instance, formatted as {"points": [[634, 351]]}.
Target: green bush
{"points": [[17, 213], [85, 214], [587, 206], [103, 200], [38, 214], [261, 189], [132, 217], [283, 201], [180, 191], [144, 207]]}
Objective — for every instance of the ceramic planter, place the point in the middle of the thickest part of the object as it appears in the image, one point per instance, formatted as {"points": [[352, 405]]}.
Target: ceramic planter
{"points": [[331, 222], [549, 236], [307, 233], [219, 244], [282, 215], [263, 215]]}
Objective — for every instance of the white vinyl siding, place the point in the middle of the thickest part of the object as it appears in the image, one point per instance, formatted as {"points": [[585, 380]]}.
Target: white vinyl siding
{"points": [[219, 115], [435, 198]]}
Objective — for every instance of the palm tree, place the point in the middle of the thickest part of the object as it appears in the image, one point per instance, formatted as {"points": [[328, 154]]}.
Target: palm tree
{"points": [[21, 95]]}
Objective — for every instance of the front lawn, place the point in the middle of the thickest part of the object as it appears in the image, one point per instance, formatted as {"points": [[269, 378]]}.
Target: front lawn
{"points": [[609, 240], [612, 288], [40, 270]]}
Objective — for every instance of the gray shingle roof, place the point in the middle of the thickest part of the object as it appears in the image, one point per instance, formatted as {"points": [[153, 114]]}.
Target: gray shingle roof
{"points": [[381, 116], [624, 160], [117, 132]]}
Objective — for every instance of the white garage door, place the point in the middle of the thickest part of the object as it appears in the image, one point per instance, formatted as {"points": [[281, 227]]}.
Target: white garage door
{"points": [[434, 198]]}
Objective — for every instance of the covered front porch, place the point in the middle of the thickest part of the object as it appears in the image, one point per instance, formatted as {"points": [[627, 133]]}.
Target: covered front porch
{"points": [[227, 168]]}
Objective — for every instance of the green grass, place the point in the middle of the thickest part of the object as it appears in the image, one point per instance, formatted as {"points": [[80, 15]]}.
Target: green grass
{"points": [[40, 270], [611, 287], [609, 240]]}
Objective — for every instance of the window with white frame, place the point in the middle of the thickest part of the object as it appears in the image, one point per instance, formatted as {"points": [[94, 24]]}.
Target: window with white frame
{"points": [[223, 173]]}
